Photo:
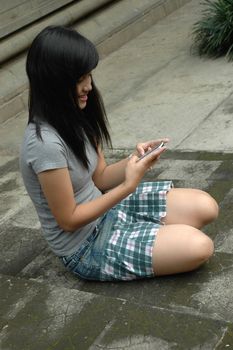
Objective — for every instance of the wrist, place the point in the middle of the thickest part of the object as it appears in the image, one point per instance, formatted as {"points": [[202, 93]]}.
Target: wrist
{"points": [[135, 153], [128, 188]]}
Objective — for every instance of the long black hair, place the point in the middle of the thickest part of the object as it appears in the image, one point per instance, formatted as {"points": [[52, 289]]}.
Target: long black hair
{"points": [[57, 59]]}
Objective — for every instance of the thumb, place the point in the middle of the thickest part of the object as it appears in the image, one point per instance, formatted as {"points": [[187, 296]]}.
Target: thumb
{"points": [[134, 158]]}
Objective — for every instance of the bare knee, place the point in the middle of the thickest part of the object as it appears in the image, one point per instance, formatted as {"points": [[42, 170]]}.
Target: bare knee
{"points": [[202, 248], [180, 248], [191, 207], [208, 207]]}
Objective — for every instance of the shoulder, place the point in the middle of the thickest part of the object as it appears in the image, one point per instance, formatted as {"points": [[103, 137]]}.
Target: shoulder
{"points": [[45, 152], [47, 132], [50, 139]]}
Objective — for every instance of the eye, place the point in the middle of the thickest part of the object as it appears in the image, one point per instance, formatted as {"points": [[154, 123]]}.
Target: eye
{"points": [[85, 76], [81, 78]]}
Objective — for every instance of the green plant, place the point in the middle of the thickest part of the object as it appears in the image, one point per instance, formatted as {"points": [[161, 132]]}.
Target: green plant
{"points": [[213, 34]]}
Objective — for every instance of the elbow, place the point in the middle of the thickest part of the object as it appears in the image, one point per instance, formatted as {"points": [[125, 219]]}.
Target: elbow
{"points": [[70, 223], [71, 227], [68, 227]]}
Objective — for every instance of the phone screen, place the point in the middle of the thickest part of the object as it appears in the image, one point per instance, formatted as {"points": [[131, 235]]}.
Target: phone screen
{"points": [[152, 150]]}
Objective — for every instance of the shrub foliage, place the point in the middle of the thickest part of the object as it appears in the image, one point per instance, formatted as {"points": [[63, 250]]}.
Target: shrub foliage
{"points": [[213, 33]]}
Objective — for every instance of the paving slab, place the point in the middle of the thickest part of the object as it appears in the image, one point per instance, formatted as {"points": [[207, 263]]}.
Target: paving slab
{"points": [[162, 89], [199, 293], [214, 130], [37, 316]]}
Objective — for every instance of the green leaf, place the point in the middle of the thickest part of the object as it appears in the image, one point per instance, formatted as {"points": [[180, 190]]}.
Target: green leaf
{"points": [[213, 33]]}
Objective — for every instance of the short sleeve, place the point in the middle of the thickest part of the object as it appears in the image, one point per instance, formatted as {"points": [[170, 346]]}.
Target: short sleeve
{"points": [[46, 154]]}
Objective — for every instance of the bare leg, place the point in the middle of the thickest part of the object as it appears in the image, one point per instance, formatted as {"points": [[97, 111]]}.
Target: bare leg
{"points": [[191, 207], [180, 248]]}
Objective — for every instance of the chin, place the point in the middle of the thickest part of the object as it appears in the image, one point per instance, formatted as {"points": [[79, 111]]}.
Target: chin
{"points": [[82, 105]]}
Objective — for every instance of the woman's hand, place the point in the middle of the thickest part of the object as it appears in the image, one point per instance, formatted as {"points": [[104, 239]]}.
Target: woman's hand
{"points": [[141, 148], [136, 168]]}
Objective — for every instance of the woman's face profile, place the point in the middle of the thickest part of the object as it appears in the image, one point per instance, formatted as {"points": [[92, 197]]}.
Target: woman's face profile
{"points": [[83, 87]]}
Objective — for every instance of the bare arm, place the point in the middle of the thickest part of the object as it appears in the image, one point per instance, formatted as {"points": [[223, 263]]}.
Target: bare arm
{"points": [[107, 177], [57, 188]]}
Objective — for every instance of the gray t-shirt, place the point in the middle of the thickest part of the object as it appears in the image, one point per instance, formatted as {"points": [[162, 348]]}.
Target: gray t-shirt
{"points": [[53, 153]]}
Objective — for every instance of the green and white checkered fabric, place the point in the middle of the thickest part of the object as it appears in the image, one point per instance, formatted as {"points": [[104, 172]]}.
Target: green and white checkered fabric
{"points": [[128, 253]]}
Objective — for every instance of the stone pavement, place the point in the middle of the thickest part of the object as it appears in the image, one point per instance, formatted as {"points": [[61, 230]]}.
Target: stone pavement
{"points": [[153, 87], [45, 307]]}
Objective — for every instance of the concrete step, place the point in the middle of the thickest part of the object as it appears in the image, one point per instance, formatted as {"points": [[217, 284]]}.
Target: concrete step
{"points": [[109, 27], [18, 41], [15, 14]]}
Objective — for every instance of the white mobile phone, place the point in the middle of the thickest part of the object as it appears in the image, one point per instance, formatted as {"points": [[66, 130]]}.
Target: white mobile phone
{"points": [[152, 150]]}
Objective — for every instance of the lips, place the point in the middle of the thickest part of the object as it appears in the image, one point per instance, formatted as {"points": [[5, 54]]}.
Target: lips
{"points": [[83, 98]]}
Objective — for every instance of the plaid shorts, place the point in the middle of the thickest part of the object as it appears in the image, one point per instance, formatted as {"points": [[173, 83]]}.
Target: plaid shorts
{"points": [[120, 248]]}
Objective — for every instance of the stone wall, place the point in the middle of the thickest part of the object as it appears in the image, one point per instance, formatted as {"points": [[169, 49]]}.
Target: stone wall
{"points": [[16, 14]]}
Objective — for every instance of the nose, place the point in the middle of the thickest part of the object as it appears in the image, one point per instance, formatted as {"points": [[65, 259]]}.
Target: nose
{"points": [[87, 84]]}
